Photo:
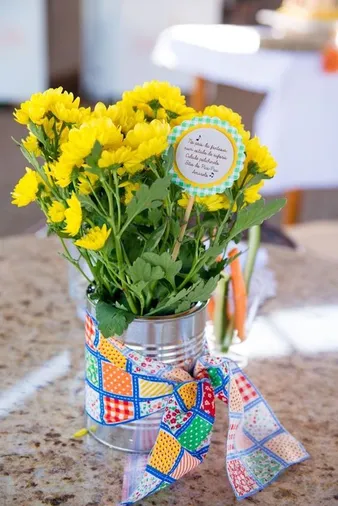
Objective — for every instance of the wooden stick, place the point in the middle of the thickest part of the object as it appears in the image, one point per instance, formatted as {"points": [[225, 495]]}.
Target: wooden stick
{"points": [[184, 225]]}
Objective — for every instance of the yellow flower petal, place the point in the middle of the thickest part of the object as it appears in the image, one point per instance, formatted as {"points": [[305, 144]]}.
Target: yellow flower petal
{"points": [[95, 238], [130, 189], [153, 90], [73, 216], [31, 144], [26, 189], [260, 154], [211, 203], [143, 132], [56, 212], [87, 180], [120, 156]]}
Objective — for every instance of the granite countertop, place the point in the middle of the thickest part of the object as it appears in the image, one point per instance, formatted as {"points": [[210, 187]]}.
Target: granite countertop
{"points": [[41, 374]]}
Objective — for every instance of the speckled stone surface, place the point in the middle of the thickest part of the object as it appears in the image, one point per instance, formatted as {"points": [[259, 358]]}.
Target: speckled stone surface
{"points": [[40, 462]]}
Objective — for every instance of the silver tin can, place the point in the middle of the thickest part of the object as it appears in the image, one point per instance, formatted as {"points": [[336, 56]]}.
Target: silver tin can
{"points": [[176, 340]]}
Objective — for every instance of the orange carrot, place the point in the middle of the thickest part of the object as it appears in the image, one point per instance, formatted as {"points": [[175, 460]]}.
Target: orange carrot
{"points": [[211, 307], [239, 291]]}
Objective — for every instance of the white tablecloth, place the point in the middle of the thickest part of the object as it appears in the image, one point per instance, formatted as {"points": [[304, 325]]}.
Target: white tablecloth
{"points": [[297, 119]]}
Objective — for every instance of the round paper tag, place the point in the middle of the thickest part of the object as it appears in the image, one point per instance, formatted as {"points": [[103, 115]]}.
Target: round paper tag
{"points": [[209, 155]]}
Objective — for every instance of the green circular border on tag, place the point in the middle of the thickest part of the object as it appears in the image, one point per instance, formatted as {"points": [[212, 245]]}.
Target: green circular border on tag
{"points": [[237, 139]]}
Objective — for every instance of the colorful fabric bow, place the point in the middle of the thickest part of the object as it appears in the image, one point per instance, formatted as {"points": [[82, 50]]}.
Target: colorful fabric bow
{"points": [[123, 386]]}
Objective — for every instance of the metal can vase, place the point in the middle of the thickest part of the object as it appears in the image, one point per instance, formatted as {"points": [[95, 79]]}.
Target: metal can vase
{"points": [[176, 340]]}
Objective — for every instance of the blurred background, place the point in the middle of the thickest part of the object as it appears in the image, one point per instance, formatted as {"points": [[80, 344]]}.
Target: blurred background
{"points": [[98, 48]]}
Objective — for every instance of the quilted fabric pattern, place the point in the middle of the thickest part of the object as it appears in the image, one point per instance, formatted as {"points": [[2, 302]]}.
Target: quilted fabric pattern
{"points": [[123, 386]]}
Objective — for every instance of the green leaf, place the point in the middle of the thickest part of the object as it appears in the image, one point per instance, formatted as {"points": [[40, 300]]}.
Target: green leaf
{"points": [[255, 180], [168, 158], [154, 216], [133, 244], [139, 271], [175, 227], [214, 270], [112, 320], [121, 306], [255, 214], [228, 194], [37, 131], [94, 156], [94, 170], [155, 238], [148, 197], [213, 251], [139, 287], [144, 271], [202, 291], [170, 302], [30, 158], [86, 202], [169, 266], [184, 306]]}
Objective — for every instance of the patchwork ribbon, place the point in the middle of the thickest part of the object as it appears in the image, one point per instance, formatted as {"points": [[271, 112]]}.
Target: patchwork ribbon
{"points": [[124, 386]]}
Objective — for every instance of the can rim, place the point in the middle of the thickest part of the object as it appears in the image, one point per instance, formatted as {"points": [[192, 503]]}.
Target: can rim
{"points": [[197, 308]]}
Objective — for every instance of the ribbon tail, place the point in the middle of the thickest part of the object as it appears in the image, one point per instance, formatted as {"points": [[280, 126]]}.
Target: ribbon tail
{"points": [[182, 442], [259, 448]]}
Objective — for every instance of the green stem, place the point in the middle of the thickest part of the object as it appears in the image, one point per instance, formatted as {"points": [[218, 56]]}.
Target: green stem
{"points": [[72, 261], [221, 320], [253, 245], [228, 335], [117, 195], [97, 199], [118, 249]]}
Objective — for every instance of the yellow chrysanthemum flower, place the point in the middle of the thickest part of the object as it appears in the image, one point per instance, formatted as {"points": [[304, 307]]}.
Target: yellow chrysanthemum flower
{"points": [[179, 120], [80, 144], [210, 203], [120, 156], [73, 215], [122, 114], [146, 150], [143, 132], [40, 104], [33, 109], [31, 143], [56, 212], [87, 180], [130, 189], [70, 115], [226, 114], [260, 154], [147, 140], [62, 172], [152, 91], [106, 132], [251, 194], [128, 118], [176, 108], [47, 125], [94, 239], [26, 189]]}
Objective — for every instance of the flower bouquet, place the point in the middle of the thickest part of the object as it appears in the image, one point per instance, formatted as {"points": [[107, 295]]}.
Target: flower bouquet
{"points": [[150, 192]]}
